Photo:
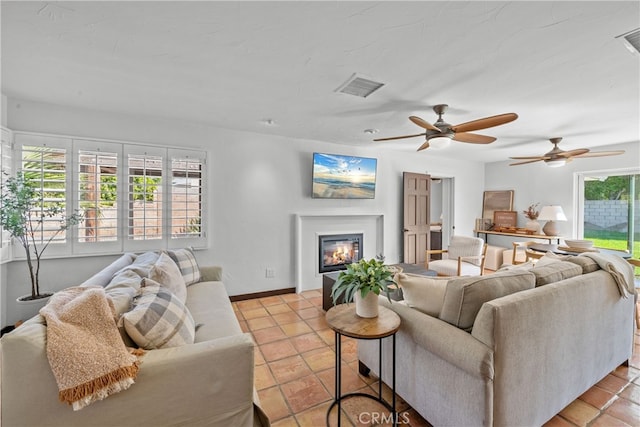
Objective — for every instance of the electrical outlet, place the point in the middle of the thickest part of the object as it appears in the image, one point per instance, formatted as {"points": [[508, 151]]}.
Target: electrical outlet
{"points": [[270, 273]]}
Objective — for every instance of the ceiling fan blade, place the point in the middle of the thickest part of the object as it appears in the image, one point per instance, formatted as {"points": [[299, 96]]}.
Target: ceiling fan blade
{"points": [[531, 158], [600, 153], [473, 138], [573, 153], [525, 162], [423, 123], [487, 122], [399, 137], [423, 146]]}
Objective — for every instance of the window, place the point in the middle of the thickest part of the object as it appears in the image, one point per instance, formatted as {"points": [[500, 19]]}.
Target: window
{"points": [[186, 197], [5, 170], [98, 195], [611, 209], [121, 189], [46, 164], [145, 199]]}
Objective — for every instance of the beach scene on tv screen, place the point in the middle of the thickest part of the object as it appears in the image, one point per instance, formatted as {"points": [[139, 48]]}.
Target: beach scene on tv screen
{"points": [[343, 177]]}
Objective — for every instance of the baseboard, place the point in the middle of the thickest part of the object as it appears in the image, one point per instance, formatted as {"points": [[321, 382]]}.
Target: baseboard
{"points": [[263, 294]]}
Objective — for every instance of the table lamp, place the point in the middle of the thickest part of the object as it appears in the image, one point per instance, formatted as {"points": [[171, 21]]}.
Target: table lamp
{"points": [[551, 214]]}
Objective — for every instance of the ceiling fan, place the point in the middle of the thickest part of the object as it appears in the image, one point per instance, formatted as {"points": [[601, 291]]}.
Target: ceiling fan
{"points": [[557, 157], [441, 133]]}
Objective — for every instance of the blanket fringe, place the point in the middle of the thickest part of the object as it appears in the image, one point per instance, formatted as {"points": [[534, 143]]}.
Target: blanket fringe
{"points": [[100, 387], [136, 351]]}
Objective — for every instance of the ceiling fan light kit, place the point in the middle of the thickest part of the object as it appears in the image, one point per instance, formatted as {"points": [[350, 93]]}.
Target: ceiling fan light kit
{"points": [[439, 142], [556, 163]]}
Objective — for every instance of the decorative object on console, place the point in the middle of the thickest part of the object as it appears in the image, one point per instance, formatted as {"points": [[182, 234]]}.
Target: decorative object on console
{"points": [[557, 157], [496, 201], [505, 219], [440, 134], [362, 279], [337, 176], [551, 214], [24, 214], [532, 214]]}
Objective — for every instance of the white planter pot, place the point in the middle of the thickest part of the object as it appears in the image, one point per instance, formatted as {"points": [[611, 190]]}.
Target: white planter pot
{"points": [[367, 306], [29, 308]]}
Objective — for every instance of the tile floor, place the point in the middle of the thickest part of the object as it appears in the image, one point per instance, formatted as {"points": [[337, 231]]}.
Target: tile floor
{"points": [[294, 372]]}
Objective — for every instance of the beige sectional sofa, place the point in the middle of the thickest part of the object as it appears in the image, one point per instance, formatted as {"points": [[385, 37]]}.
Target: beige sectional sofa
{"points": [[207, 383], [508, 349]]}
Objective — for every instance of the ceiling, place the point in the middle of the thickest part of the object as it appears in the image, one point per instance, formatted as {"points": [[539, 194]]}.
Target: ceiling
{"points": [[237, 65]]}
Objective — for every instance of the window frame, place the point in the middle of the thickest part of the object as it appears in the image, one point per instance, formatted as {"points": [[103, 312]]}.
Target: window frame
{"points": [[89, 145], [25, 139], [73, 146], [6, 167], [579, 200], [190, 155]]}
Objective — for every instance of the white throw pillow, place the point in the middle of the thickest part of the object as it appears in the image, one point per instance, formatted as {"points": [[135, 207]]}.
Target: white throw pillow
{"points": [[422, 292], [167, 274], [159, 319]]}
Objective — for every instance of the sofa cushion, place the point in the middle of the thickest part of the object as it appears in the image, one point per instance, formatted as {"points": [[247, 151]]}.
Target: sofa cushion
{"points": [[122, 289], [186, 261], [465, 295], [104, 276], [423, 293], [159, 319], [587, 264], [549, 258], [555, 271], [168, 275], [142, 264]]}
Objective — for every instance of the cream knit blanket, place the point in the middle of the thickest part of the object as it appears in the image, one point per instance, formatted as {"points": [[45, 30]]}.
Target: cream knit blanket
{"points": [[86, 353], [619, 268]]}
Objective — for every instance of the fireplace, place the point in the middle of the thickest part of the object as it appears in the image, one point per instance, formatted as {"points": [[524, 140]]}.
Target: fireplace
{"points": [[338, 250]]}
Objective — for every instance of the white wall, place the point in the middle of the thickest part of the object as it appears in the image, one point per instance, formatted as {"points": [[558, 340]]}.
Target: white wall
{"points": [[257, 183], [536, 182]]}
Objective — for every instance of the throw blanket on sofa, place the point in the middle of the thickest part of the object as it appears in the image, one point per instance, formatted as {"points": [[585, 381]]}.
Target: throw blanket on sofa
{"points": [[85, 350], [619, 268]]}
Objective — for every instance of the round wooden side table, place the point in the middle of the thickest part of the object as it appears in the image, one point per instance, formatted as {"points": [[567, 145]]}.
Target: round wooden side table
{"points": [[344, 321]]}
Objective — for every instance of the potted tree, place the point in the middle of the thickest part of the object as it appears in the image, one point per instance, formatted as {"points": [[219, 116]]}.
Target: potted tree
{"points": [[23, 212], [363, 281]]}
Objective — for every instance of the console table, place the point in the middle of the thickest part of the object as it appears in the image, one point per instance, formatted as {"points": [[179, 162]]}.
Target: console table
{"points": [[486, 233]]}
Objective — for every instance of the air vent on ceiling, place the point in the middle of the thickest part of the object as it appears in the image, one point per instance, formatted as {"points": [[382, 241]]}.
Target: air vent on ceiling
{"points": [[632, 40], [359, 86]]}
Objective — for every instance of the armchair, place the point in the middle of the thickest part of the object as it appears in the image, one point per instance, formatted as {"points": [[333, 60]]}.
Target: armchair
{"points": [[528, 253], [465, 256]]}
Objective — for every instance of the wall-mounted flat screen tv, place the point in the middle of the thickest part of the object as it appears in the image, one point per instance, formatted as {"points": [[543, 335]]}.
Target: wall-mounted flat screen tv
{"points": [[337, 176]]}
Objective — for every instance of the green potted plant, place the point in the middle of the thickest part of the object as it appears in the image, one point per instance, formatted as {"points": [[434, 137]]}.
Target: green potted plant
{"points": [[23, 211], [363, 281]]}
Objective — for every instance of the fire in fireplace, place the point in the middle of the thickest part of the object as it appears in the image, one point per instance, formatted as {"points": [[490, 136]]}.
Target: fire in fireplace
{"points": [[338, 250]]}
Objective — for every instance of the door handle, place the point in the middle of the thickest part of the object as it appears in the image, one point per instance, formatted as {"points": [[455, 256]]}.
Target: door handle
{"points": [[405, 230]]}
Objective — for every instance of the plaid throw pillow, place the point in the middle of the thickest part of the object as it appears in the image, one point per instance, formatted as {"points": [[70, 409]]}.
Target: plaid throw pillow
{"points": [[159, 319], [187, 264]]}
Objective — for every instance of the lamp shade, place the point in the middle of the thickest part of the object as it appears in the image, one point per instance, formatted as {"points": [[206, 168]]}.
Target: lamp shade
{"points": [[552, 213]]}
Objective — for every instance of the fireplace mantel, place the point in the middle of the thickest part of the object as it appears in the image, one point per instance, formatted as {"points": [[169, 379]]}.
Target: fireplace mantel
{"points": [[310, 226]]}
